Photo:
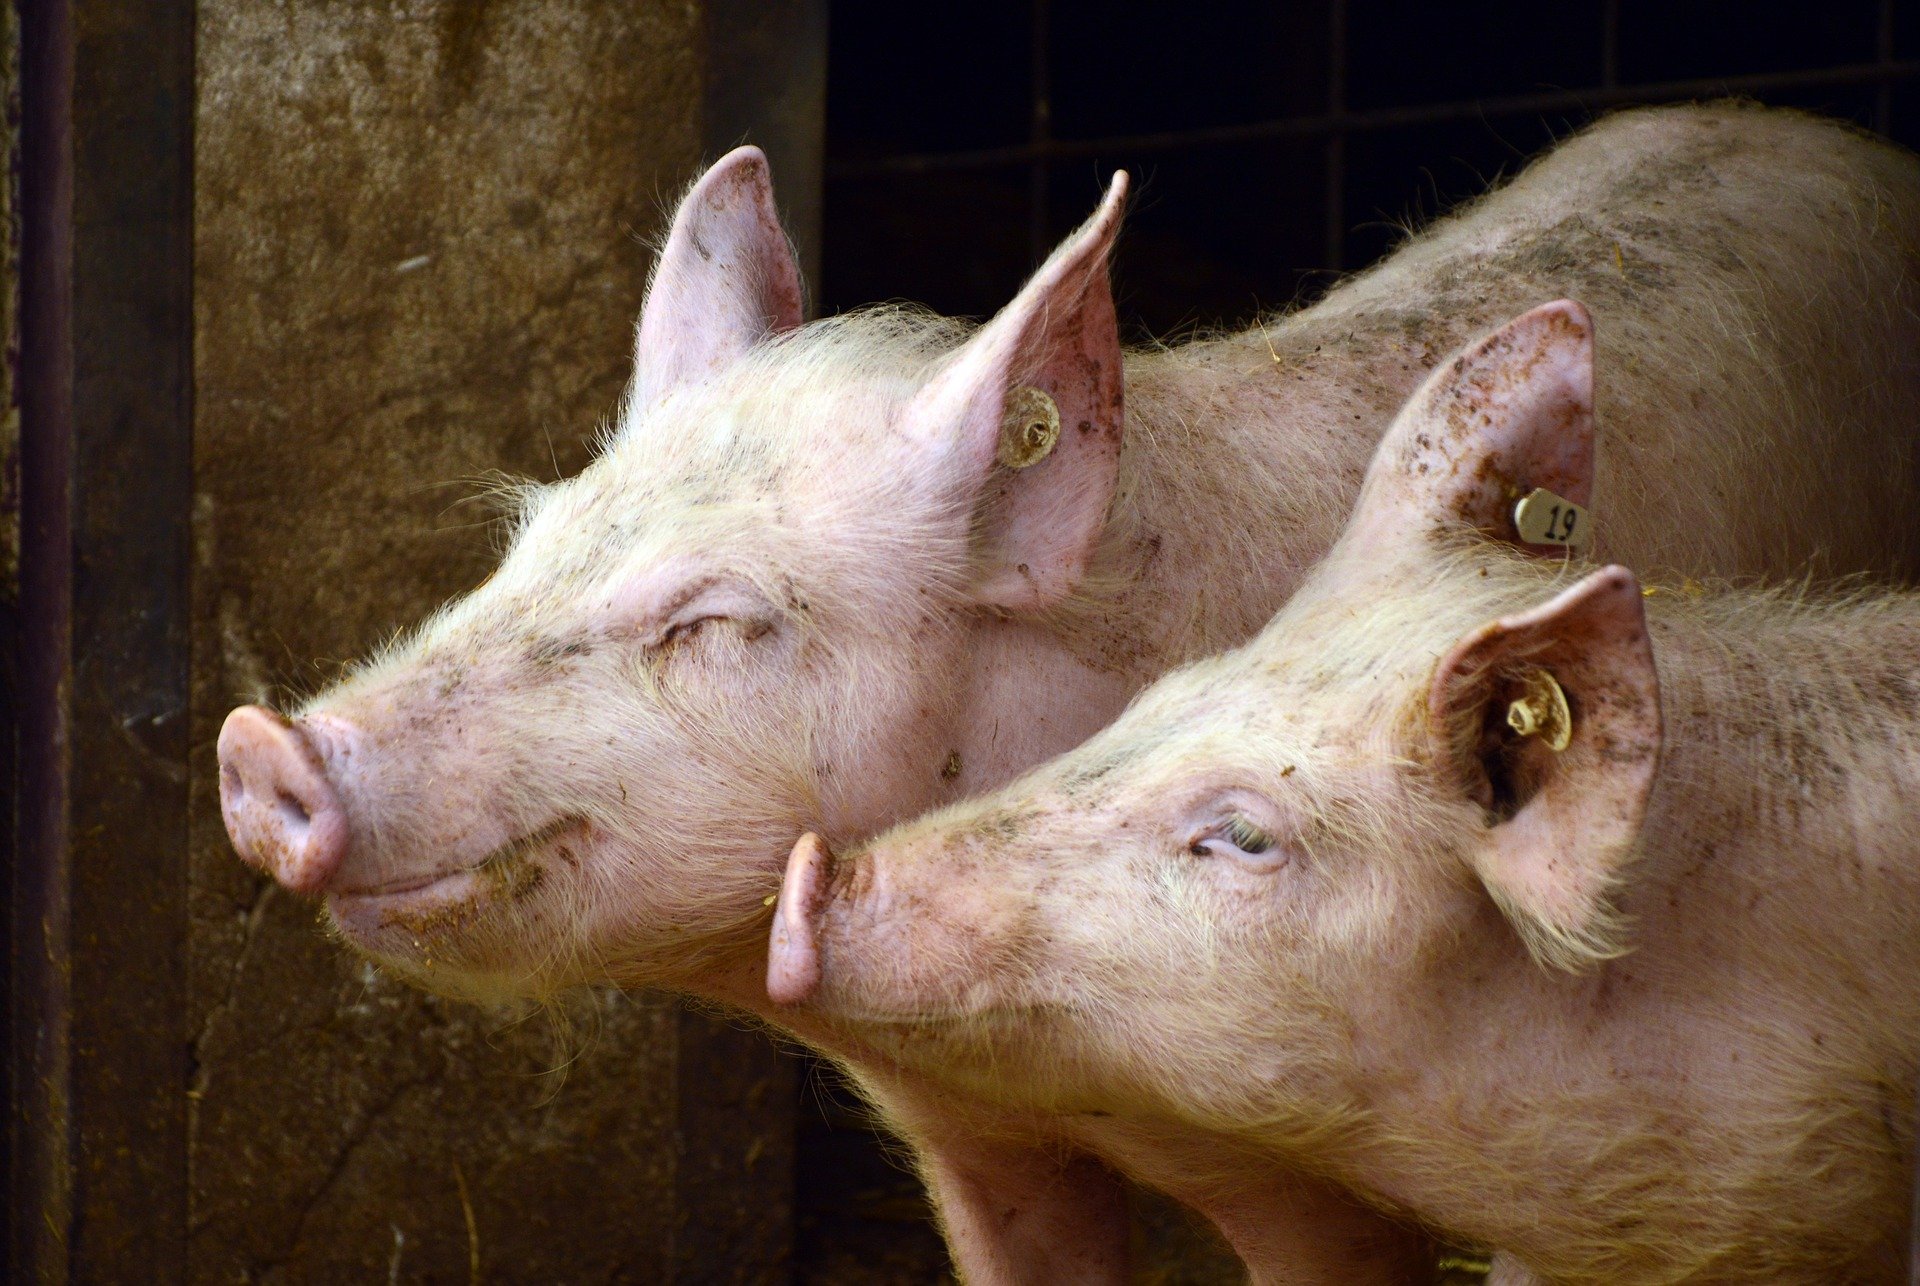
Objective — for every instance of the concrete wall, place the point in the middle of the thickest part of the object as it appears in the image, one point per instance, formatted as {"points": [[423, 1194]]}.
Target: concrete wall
{"points": [[419, 253]]}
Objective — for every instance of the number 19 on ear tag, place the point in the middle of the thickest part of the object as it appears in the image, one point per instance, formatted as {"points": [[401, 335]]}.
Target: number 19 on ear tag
{"points": [[1543, 518]]}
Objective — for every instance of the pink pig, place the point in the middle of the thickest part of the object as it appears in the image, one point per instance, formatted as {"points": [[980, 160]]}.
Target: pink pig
{"points": [[827, 577], [1551, 916]]}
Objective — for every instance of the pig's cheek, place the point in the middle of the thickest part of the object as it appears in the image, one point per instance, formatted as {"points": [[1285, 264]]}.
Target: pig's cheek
{"points": [[1254, 905]]}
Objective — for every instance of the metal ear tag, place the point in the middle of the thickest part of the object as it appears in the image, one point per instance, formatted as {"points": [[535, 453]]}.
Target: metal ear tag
{"points": [[1029, 428], [1542, 518], [1542, 712]]}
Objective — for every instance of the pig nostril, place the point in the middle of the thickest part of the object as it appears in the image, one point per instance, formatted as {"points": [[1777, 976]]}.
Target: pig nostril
{"points": [[295, 811]]}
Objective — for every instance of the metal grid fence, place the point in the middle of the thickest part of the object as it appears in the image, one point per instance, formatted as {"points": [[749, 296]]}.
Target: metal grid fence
{"points": [[1339, 121]]}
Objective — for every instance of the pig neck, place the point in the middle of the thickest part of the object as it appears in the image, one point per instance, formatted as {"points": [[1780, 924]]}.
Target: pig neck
{"points": [[1768, 989], [738, 979], [1243, 457]]}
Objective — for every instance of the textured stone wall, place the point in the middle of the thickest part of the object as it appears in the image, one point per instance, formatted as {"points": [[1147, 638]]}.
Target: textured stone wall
{"points": [[419, 257]]}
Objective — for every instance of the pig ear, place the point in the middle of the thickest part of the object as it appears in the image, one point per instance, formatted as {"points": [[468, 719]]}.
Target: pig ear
{"points": [[725, 280], [1049, 363], [1512, 412], [1561, 824]]}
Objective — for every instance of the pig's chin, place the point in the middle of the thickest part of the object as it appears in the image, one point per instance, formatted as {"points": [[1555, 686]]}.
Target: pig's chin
{"points": [[972, 1050], [428, 923]]}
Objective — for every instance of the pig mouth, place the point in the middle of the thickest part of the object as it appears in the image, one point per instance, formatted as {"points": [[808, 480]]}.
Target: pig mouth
{"points": [[970, 1044], [1000, 1008], [506, 873]]}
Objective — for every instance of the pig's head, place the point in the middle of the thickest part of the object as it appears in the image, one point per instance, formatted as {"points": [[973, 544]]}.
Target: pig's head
{"points": [[748, 616], [1269, 857]]}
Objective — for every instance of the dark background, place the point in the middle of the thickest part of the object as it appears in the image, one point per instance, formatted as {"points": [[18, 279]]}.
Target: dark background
{"points": [[1273, 146]]}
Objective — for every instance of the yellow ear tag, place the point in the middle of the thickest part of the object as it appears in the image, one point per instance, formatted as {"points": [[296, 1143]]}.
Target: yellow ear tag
{"points": [[1542, 518], [1542, 712], [1029, 428]]}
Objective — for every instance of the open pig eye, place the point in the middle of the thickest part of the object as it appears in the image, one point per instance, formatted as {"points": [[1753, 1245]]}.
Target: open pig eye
{"points": [[1235, 837]]}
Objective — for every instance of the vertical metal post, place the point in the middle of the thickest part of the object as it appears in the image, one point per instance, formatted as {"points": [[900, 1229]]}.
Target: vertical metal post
{"points": [[99, 900], [9, 532]]}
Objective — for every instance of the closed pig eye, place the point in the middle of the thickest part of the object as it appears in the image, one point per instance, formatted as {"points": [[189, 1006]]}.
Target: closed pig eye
{"points": [[681, 631], [750, 628], [716, 602]]}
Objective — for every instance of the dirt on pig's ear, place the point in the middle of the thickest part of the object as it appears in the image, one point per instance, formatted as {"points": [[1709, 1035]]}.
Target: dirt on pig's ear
{"points": [[726, 278], [1022, 427], [1550, 721], [1511, 413]]}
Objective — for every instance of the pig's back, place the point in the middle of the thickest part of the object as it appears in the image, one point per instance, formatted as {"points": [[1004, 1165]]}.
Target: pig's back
{"points": [[1789, 793], [1778, 887], [1755, 280]]}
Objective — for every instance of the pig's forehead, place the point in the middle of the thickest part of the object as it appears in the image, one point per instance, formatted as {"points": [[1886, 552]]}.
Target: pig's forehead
{"points": [[708, 491], [1255, 713], [819, 398], [1192, 732], [1244, 693], [709, 467], [619, 509]]}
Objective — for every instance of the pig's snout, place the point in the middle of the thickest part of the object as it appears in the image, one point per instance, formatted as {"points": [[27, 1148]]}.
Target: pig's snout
{"points": [[793, 955], [282, 813]]}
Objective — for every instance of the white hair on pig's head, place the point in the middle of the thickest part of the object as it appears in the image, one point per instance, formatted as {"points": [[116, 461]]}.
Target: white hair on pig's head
{"points": [[743, 619]]}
